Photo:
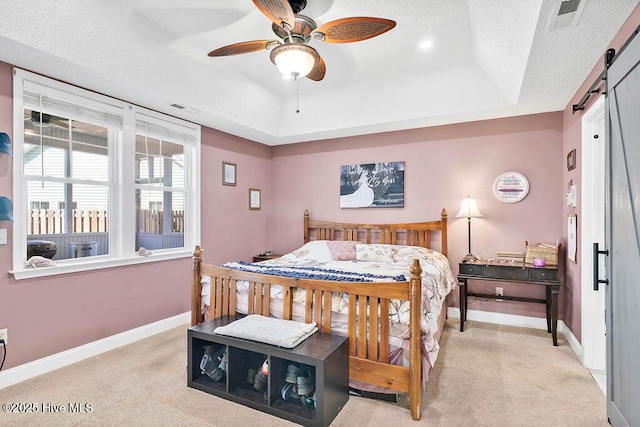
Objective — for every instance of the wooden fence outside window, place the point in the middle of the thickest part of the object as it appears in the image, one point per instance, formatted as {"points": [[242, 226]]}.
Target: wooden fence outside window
{"points": [[51, 221]]}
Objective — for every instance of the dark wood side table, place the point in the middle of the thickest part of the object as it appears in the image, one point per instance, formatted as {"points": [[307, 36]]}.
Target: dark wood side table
{"points": [[512, 273], [259, 258]]}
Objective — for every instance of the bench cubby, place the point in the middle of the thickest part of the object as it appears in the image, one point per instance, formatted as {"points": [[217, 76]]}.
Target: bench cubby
{"points": [[326, 356]]}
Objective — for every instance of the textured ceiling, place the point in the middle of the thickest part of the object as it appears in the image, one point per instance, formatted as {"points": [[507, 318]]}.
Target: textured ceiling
{"points": [[489, 58]]}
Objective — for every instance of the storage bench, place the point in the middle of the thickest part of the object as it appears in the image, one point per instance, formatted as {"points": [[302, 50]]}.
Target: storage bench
{"points": [[327, 356]]}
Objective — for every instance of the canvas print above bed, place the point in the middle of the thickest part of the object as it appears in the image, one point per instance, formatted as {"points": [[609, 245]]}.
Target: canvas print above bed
{"points": [[374, 185]]}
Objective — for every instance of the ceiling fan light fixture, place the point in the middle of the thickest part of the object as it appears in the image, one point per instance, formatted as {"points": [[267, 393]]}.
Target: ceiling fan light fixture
{"points": [[294, 59]]}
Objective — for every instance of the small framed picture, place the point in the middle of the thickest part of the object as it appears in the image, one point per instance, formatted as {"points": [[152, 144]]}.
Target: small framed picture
{"points": [[571, 160], [254, 199], [229, 173]]}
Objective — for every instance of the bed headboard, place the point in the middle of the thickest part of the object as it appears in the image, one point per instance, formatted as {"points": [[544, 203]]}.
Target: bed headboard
{"points": [[412, 233]]}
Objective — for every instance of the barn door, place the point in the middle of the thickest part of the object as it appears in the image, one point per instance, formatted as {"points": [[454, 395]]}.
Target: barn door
{"points": [[623, 238]]}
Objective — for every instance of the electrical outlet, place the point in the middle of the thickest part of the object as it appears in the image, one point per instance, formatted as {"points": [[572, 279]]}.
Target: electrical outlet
{"points": [[4, 334], [499, 292]]}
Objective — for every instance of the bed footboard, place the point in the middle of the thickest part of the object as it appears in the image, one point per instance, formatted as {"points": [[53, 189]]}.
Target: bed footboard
{"points": [[368, 335]]}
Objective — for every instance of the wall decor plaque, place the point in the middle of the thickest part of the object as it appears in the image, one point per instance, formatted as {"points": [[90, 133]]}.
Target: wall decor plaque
{"points": [[511, 187]]}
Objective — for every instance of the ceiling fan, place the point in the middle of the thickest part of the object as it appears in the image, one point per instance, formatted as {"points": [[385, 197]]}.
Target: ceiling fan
{"points": [[45, 120], [291, 53]]}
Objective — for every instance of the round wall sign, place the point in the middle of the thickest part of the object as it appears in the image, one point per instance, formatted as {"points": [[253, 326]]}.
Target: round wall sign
{"points": [[511, 187]]}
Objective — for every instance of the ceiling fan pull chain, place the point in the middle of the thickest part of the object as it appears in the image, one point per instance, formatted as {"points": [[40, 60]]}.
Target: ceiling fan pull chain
{"points": [[297, 95]]}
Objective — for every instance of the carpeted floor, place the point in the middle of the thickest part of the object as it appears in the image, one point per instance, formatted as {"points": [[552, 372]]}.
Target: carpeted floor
{"points": [[489, 375]]}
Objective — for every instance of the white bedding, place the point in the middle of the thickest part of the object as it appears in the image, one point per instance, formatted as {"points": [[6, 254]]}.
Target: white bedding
{"points": [[437, 282]]}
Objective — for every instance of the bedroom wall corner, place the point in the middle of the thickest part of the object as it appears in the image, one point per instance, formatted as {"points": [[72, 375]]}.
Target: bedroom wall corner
{"points": [[230, 230], [572, 139]]}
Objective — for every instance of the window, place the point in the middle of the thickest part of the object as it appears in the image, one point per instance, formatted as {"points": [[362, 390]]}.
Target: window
{"points": [[130, 176], [160, 184]]}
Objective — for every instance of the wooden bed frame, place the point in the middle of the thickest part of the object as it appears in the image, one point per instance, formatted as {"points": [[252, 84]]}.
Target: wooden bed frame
{"points": [[368, 358]]}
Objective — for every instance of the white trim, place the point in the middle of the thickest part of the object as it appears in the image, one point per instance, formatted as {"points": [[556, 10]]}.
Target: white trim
{"points": [[99, 263], [122, 248], [50, 363], [519, 321], [504, 319], [573, 343], [592, 230]]}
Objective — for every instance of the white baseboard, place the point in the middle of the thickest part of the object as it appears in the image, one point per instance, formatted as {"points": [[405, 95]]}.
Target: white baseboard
{"points": [[573, 343], [55, 361], [520, 321], [503, 319]]}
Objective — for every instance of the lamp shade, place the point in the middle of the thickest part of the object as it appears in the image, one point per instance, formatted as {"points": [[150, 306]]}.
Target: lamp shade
{"points": [[469, 209], [294, 59], [5, 144]]}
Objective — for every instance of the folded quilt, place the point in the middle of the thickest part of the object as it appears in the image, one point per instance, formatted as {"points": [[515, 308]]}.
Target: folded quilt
{"points": [[269, 330]]}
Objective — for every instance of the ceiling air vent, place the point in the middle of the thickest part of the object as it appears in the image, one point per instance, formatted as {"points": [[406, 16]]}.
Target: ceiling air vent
{"points": [[570, 6], [566, 14], [184, 108]]}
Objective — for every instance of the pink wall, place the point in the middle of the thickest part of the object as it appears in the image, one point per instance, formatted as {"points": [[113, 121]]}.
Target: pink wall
{"points": [[49, 315], [230, 231], [442, 165], [572, 138]]}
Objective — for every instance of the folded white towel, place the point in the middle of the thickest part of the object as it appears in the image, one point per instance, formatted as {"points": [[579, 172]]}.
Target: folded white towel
{"points": [[269, 330]]}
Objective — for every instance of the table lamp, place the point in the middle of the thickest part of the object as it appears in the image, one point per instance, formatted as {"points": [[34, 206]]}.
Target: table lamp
{"points": [[469, 210]]}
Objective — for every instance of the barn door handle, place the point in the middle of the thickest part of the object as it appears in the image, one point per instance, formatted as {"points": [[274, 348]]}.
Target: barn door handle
{"points": [[596, 269]]}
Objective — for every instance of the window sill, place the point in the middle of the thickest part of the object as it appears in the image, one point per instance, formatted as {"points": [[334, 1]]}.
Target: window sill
{"points": [[66, 268]]}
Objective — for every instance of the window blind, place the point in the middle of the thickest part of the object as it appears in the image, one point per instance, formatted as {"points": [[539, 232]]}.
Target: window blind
{"points": [[45, 103], [146, 126]]}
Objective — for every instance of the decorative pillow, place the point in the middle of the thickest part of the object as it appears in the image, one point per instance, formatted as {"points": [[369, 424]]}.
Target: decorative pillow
{"points": [[342, 250], [316, 250], [406, 254], [376, 253]]}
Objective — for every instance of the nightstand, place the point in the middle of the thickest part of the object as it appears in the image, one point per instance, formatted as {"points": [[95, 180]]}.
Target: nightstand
{"points": [[259, 258]]}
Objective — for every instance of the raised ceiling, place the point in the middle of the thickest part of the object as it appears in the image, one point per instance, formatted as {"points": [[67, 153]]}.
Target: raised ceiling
{"points": [[488, 59]]}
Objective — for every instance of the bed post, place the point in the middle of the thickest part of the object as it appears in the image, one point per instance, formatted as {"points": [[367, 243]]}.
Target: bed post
{"points": [[196, 288], [443, 218], [306, 226], [415, 340]]}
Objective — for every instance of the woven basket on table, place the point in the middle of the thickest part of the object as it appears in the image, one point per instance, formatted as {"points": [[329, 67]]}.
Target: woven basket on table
{"points": [[549, 254]]}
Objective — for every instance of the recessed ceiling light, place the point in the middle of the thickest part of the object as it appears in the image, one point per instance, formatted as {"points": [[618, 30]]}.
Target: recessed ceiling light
{"points": [[426, 44]]}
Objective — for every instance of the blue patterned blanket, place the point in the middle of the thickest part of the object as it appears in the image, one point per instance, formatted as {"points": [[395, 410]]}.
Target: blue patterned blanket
{"points": [[314, 273]]}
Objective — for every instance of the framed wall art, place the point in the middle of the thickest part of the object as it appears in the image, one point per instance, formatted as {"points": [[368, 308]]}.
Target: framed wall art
{"points": [[372, 185], [255, 202], [229, 173], [511, 187], [571, 160]]}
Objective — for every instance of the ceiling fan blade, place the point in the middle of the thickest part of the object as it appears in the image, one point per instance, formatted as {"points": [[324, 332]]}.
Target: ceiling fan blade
{"points": [[243, 47], [354, 29], [318, 71], [278, 11]]}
